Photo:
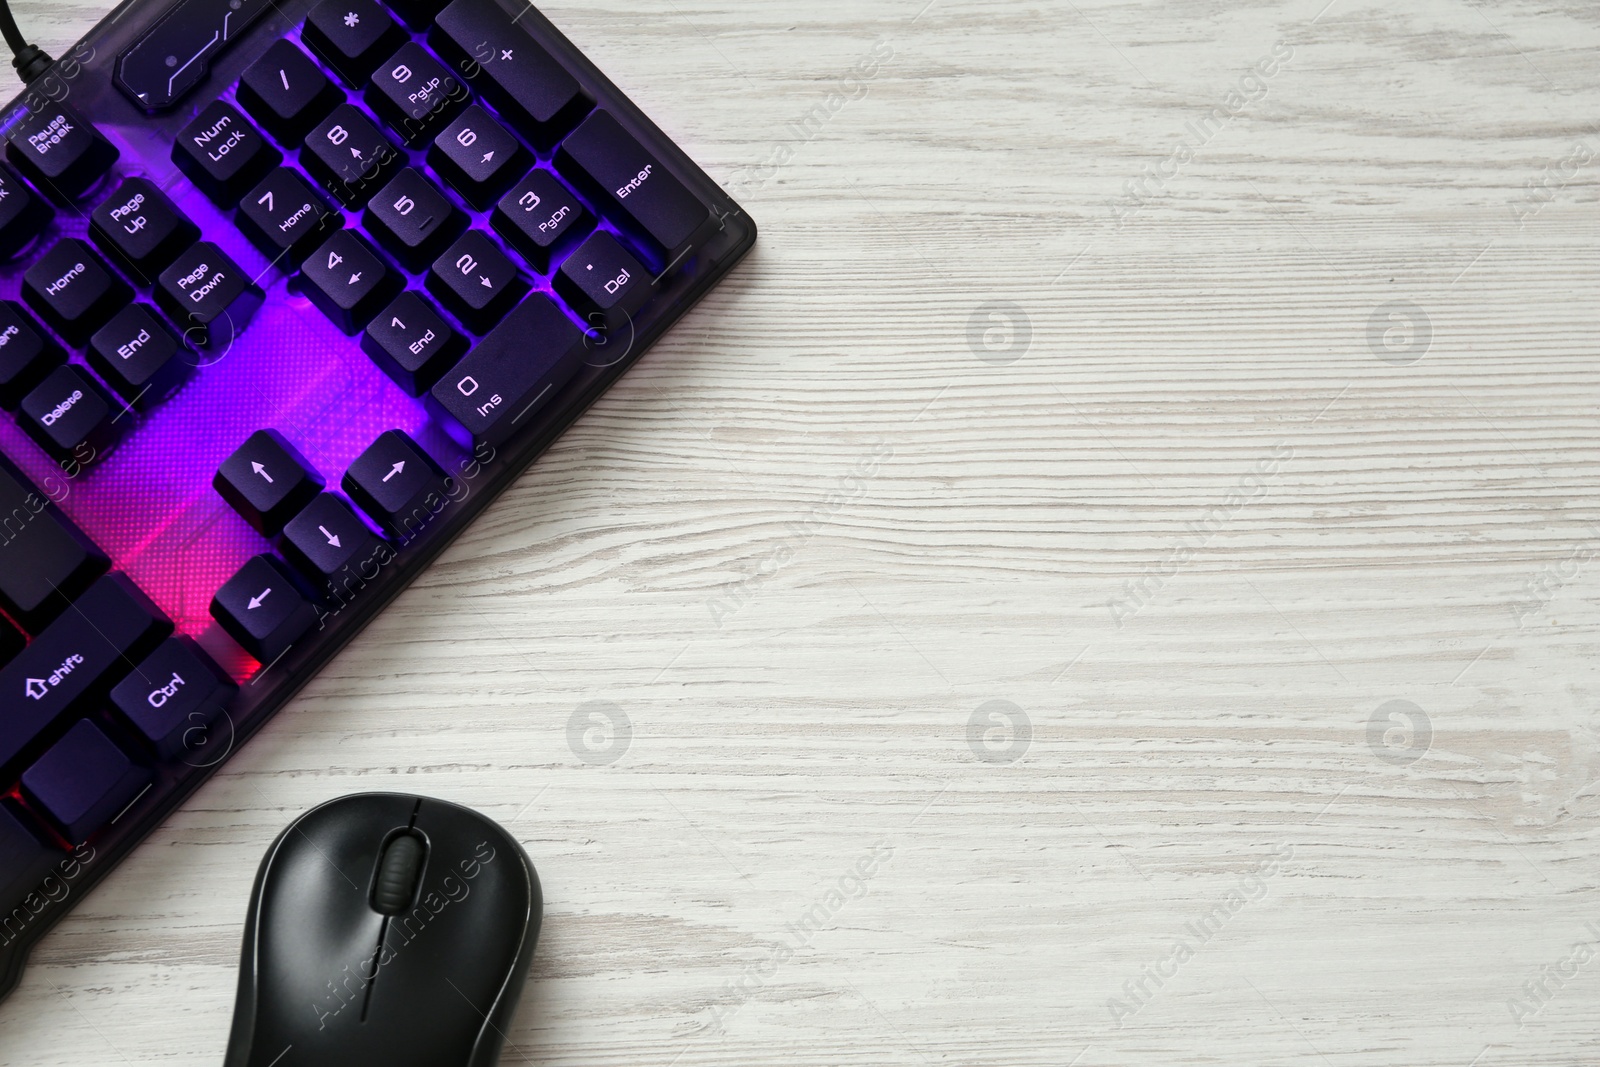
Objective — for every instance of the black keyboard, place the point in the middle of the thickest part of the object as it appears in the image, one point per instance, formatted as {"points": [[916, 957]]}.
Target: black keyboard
{"points": [[288, 293]]}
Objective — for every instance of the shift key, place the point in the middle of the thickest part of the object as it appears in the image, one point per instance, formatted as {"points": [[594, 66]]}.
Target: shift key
{"points": [[76, 659]]}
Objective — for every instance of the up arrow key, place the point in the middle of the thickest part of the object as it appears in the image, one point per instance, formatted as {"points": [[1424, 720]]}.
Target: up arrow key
{"points": [[259, 469]]}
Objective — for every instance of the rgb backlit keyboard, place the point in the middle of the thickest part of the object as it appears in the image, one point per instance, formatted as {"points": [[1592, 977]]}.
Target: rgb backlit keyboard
{"points": [[289, 292]]}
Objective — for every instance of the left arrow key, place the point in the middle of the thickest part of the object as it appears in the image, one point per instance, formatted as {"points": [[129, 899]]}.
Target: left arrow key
{"points": [[267, 481], [262, 608]]}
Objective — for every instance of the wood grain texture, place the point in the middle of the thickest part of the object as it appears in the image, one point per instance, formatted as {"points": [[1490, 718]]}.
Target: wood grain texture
{"points": [[1195, 530]]}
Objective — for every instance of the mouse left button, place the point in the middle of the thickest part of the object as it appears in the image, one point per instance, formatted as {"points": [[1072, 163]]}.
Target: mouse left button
{"points": [[312, 940], [462, 951]]}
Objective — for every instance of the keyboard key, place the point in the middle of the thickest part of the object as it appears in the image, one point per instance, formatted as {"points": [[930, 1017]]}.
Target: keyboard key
{"points": [[540, 216], [347, 279], [522, 80], [262, 608], [141, 230], [413, 220], [24, 859], [173, 696], [411, 343], [223, 154], [45, 560], [73, 291], [398, 485], [631, 187], [27, 354], [285, 217], [23, 215], [332, 548], [349, 156], [138, 357], [267, 481], [208, 296], [351, 36], [414, 94], [603, 282], [71, 417], [84, 781], [77, 659], [286, 93], [511, 373], [60, 153], [478, 157], [476, 281]]}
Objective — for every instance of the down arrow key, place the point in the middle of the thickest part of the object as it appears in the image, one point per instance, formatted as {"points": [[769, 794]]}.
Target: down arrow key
{"points": [[333, 548]]}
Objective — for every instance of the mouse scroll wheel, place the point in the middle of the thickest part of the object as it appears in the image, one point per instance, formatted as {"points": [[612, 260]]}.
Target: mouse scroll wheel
{"points": [[397, 875]]}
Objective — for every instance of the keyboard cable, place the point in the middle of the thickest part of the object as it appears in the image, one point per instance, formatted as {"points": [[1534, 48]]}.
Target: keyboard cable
{"points": [[30, 61]]}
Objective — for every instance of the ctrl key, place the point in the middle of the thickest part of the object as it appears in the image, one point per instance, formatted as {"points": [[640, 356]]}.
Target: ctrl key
{"points": [[173, 697], [84, 781], [262, 608], [71, 417]]}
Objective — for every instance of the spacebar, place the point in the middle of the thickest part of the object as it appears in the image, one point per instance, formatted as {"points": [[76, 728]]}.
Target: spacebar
{"points": [[514, 371]]}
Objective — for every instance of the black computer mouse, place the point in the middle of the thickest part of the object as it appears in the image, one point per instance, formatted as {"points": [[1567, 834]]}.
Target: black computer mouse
{"points": [[388, 930]]}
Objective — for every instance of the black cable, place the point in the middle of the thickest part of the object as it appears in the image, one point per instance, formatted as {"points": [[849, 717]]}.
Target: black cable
{"points": [[30, 61]]}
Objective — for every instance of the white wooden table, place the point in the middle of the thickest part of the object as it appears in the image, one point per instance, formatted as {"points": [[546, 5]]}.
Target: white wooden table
{"points": [[1045, 517]]}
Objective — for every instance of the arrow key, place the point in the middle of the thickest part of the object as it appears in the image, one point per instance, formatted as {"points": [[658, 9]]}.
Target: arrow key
{"points": [[398, 485], [333, 548], [478, 157], [267, 481], [262, 608], [476, 281], [348, 280]]}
